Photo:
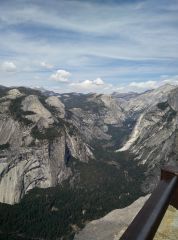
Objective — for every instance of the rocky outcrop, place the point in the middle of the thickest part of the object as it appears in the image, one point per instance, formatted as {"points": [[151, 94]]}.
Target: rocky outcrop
{"points": [[14, 93], [91, 125], [32, 104], [173, 100], [22, 171], [99, 112], [113, 113], [34, 154], [141, 102], [113, 225], [134, 136], [154, 137], [55, 102], [8, 129]]}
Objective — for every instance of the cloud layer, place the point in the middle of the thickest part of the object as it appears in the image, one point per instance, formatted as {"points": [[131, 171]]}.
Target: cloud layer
{"points": [[126, 43]]}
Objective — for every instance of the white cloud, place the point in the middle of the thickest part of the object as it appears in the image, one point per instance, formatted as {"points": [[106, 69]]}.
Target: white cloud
{"points": [[147, 85], [8, 66], [143, 85], [60, 76], [91, 85], [98, 81], [46, 65]]}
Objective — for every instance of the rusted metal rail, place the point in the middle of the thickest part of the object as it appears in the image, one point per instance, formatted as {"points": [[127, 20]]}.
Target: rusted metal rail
{"points": [[146, 222]]}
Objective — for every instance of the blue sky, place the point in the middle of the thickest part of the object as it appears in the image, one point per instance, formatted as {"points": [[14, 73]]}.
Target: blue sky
{"points": [[89, 46]]}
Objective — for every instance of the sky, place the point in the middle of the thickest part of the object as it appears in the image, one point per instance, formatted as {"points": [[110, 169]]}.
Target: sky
{"points": [[89, 46]]}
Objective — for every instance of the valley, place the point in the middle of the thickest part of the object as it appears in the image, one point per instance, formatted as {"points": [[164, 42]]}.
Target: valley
{"points": [[67, 159]]}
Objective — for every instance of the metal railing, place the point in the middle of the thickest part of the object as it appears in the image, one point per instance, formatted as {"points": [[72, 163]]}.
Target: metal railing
{"points": [[146, 222]]}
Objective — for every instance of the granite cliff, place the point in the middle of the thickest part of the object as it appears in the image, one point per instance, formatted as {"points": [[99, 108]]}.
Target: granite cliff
{"points": [[34, 139], [154, 138], [79, 156]]}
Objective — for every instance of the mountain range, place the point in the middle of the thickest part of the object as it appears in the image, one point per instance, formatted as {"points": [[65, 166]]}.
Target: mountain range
{"points": [[66, 159]]}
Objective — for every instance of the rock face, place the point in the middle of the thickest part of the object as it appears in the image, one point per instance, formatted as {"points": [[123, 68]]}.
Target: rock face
{"points": [[36, 153], [134, 136], [56, 103], [13, 94], [8, 129], [39, 112], [94, 113], [113, 225], [154, 138], [113, 112], [141, 102]]}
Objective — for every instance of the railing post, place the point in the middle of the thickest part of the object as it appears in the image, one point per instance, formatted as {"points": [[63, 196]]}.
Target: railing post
{"points": [[146, 222], [168, 172]]}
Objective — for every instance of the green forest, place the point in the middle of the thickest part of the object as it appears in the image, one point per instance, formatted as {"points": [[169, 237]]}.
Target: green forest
{"points": [[112, 181]]}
